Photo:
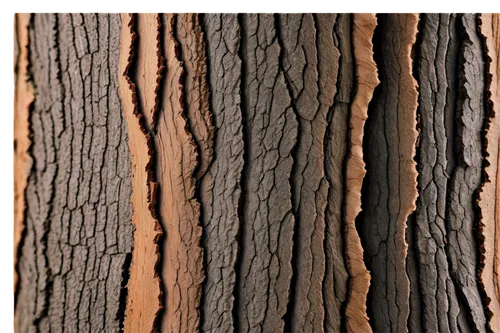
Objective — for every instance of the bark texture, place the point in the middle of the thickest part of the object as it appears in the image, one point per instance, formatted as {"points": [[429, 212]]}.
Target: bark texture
{"points": [[257, 173], [78, 240]]}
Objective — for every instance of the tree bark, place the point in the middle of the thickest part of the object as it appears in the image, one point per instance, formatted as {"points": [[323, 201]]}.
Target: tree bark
{"points": [[257, 173]]}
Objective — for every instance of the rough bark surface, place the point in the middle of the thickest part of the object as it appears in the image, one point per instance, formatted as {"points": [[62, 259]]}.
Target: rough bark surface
{"points": [[78, 239], [220, 187], [437, 83], [366, 81], [489, 202], [270, 133], [466, 179], [391, 174], [206, 172]]}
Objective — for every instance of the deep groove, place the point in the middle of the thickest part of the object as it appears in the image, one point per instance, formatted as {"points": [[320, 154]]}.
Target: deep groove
{"points": [[296, 236], [29, 152], [410, 235], [343, 306], [120, 316], [246, 134], [201, 22], [377, 57], [488, 106], [154, 172]]}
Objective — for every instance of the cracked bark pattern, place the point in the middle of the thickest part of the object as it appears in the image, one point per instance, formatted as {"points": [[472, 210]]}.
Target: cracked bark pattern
{"points": [[179, 211], [336, 82], [198, 115], [437, 84], [466, 179], [220, 188], [143, 303], [78, 212], [489, 202], [270, 131], [23, 98], [366, 81], [391, 177], [300, 65], [206, 172]]}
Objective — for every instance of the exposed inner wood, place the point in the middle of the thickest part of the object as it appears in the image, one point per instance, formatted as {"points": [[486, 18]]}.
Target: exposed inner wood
{"points": [[143, 301], [489, 197], [366, 81]]}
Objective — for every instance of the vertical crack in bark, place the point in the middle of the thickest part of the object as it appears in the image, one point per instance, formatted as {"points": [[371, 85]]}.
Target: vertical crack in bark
{"points": [[242, 201], [462, 214], [292, 301], [391, 175], [366, 81], [222, 186], [415, 318]]}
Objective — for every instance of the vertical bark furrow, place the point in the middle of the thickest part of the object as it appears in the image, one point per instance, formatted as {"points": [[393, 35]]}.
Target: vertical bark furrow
{"points": [[179, 211], [147, 66], [144, 293], [365, 83], [299, 62], [79, 230], [489, 197], [466, 179], [391, 174], [192, 50], [220, 188], [336, 78], [438, 295], [268, 220]]}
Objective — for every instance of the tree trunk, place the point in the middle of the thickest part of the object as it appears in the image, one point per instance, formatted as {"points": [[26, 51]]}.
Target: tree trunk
{"points": [[257, 172]]}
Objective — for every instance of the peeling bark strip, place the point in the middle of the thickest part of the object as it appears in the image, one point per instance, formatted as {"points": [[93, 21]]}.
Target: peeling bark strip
{"points": [[270, 132], [220, 189], [489, 202], [23, 99], [79, 229], [366, 81], [462, 246], [391, 177], [437, 95], [176, 160]]}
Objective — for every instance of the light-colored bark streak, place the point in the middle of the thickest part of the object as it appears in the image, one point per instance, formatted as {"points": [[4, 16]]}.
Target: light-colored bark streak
{"points": [[148, 64], [182, 272], [489, 197], [23, 97], [366, 81], [143, 301]]}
